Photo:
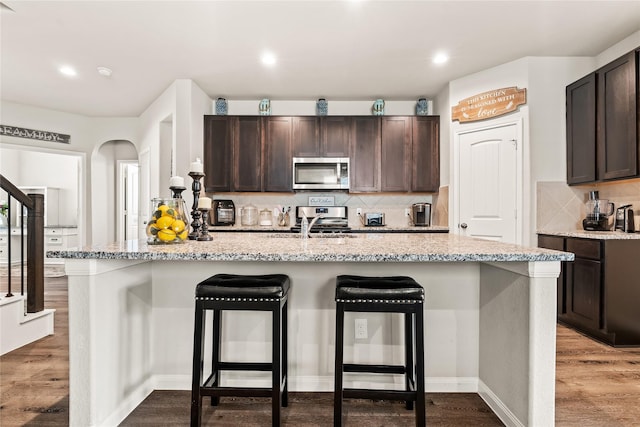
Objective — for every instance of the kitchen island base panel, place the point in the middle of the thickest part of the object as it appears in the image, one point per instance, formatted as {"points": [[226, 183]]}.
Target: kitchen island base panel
{"points": [[132, 321]]}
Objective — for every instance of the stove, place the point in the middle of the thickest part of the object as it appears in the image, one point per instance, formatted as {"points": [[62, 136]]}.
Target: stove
{"points": [[332, 219]]}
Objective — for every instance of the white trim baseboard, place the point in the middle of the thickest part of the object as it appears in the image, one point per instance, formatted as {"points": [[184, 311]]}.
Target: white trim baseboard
{"points": [[500, 409]]}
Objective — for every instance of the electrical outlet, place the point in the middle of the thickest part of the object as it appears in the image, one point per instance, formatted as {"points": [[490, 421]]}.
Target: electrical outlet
{"points": [[361, 329], [359, 211]]}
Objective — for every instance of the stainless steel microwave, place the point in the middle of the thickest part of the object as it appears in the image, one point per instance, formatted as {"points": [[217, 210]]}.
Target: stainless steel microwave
{"points": [[320, 173]]}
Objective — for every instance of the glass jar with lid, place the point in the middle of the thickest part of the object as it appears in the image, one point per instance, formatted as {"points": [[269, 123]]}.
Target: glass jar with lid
{"points": [[249, 215]]}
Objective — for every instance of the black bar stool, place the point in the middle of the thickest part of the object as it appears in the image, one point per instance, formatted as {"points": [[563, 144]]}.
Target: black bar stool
{"points": [[395, 294], [239, 292]]}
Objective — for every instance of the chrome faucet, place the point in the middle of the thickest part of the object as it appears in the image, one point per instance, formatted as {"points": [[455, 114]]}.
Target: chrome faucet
{"points": [[311, 224]]}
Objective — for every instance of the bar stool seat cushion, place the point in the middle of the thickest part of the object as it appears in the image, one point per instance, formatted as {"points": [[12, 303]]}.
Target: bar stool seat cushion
{"points": [[388, 288], [243, 286]]}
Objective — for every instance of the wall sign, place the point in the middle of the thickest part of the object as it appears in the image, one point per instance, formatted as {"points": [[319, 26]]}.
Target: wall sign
{"points": [[40, 135], [489, 104]]}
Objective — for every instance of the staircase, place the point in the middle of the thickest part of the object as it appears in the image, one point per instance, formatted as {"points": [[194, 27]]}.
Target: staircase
{"points": [[18, 328]]}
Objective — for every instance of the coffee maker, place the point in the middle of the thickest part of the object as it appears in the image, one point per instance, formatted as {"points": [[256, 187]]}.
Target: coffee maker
{"points": [[598, 213], [421, 214]]}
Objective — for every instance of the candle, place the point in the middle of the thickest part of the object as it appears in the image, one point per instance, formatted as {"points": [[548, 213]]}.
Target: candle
{"points": [[176, 181], [197, 166], [204, 203]]}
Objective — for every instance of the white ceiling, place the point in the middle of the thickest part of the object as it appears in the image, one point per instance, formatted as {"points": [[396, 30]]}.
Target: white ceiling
{"points": [[340, 50]]}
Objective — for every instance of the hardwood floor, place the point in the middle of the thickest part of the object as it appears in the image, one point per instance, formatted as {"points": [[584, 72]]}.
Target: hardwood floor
{"points": [[596, 385]]}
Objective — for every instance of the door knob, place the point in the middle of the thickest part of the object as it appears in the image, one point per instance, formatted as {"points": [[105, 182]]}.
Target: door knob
{"points": [[463, 225]]}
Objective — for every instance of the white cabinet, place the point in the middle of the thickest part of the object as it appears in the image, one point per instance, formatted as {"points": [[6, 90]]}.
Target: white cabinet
{"points": [[15, 247], [51, 205], [59, 239]]}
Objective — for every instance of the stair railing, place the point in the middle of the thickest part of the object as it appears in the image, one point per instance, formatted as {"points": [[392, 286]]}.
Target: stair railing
{"points": [[34, 204]]}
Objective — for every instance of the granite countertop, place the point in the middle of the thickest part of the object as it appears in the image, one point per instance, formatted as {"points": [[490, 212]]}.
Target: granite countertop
{"points": [[358, 229], [600, 235], [373, 247]]}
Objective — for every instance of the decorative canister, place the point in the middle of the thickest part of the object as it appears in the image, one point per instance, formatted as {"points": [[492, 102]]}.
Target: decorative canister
{"points": [[422, 107], [221, 107], [378, 107], [265, 107], [322, 107], [249, 215], [168, 223]]}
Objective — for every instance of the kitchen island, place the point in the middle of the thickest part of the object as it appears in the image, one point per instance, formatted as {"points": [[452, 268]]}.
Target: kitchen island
{"points": [[489, 316]]}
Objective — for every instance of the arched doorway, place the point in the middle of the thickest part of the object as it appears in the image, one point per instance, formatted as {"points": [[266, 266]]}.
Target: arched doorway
{"points": [[115, 189]]}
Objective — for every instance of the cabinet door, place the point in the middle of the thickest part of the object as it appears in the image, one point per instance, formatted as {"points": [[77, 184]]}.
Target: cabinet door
{"points": [[364, 156], [584, 293], [395, 170], [306, 140], [425, 154], [581, 130], [277, 164], [556, 243], [334, 136], [247, 154], [217, 153], [617, 119]]}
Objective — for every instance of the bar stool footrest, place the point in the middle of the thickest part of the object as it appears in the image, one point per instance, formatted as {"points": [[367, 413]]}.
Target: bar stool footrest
{"points": [[236, 391], [359, 393], [245, 366], [375, 369]]}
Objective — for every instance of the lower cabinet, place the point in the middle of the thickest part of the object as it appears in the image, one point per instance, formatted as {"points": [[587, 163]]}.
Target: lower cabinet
{"points": [[599, 292]]}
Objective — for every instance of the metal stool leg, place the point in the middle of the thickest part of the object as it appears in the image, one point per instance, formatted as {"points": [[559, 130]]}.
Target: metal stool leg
{"points": [[196, 378], [338, 380]]}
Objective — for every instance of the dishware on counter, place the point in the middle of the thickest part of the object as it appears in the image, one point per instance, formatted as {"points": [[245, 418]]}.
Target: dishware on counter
{"points": [[624, 219], [598, 213], [168, 223], [249, 215], [421, 214], [224, 212], [266, 218]]}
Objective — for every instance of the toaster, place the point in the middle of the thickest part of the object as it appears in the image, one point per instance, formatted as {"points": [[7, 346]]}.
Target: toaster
{"points": [[374, 219]]}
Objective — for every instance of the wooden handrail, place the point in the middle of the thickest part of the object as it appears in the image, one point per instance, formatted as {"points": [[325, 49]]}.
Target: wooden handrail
{"points": [[16, 193], [35, 243]]}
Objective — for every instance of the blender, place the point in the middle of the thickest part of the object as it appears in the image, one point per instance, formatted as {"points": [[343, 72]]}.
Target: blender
{"points": [[598, 213]]}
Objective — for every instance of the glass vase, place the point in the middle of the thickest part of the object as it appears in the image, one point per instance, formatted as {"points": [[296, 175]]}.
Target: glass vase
{"points": [[168, 223]]}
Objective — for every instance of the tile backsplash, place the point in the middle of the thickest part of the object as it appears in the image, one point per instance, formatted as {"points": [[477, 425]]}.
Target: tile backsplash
{"points": [[560, 207], [392, 205]]}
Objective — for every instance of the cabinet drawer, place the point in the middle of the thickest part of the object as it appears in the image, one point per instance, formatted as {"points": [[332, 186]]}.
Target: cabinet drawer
{"points": [[3, 239], [551, 242], [52, 231], [584, 248], [54, 241]]}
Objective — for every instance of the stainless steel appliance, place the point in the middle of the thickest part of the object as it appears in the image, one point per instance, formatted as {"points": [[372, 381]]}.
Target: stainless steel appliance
{"points": [[320, 173], [224, 212], [373, 219], [598, 213], [624, 219], [421, 214], [332, 219]]}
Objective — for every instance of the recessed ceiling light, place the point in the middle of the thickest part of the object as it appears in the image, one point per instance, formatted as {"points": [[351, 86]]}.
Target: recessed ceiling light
{"points": [[268, 58], [440, 58], [104, 71], [68, 71]]}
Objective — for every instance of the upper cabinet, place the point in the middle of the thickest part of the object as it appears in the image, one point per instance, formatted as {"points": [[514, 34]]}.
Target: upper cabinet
{"points": [[602, 123], [387, 153]]}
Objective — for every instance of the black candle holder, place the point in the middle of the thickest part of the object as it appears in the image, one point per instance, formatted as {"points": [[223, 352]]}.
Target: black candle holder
{"points": [[204, 230], [195, 213], [177, 192]]}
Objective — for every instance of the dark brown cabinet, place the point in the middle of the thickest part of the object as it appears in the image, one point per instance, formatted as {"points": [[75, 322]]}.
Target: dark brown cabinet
{"points": [[254, 153], [581, 130], [603, 123], [395, 142], [277, 154], [326, 136], [217, 153], [598, 293], [247, 153], [425, 154], [364, 161], [617, 119]]}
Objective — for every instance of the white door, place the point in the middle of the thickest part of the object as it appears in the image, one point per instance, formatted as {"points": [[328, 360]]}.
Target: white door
{"points": [[489, 183]]}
